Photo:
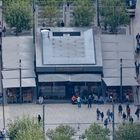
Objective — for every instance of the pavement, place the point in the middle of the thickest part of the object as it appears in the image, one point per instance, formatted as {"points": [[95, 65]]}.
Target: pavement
{"points": [[56, 114]]}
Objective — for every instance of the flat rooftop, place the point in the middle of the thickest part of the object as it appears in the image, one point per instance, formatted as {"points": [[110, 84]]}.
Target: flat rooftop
{"points": [[67, 47]]}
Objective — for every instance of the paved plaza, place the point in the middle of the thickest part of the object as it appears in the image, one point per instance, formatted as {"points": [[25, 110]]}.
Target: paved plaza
{"points": [[56, 114]]}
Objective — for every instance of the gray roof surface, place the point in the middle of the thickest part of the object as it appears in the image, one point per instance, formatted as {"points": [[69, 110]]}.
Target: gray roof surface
{"points": [[69, 51], [14, 49], [115, 47]]}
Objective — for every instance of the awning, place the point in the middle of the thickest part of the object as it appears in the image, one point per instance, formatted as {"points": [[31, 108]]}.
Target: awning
{"points": [[69, 77], [86, 77], [14, 74], [13, 83], [116, 81]]}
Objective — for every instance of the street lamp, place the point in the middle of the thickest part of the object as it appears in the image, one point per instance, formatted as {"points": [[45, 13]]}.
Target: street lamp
{"points": [[98, 21], [113, 119], [3, 100], [121, 80], [20, 81], [44, 118]]}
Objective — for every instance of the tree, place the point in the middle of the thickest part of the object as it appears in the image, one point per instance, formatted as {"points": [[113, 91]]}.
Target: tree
{"points": [[113, 14], [25, 128], [18, 15], [50, 11], [83, 13], [96, 132], [128, 132], [62, 132]]}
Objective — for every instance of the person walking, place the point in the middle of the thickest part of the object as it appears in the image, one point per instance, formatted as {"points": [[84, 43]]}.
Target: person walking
{"points": [[120, 109], [124, 117], [106, 123], [137, 113], [39, 118], [138, 38], [98, 113], [79, 101], [131, 120], [89, 101], [108, 115], [128, 111], [102, 116]]}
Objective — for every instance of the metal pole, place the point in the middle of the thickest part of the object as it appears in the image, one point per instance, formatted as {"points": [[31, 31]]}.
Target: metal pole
{"points": [[20, 82], [44, 120], [98, 21], [3, 109], [113, 121], [121, 80], [3, 99]]}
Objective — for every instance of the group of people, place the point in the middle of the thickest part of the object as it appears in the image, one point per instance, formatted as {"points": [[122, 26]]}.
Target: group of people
{"points": [[87, 100], [125, 115], [100, 116], [78, 100]]}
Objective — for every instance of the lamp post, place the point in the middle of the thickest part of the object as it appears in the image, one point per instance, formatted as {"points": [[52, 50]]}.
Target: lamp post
{"points": [[97, 3], [121, 80], [20, 82], [44, 120], [113, 118], [3, 100]]}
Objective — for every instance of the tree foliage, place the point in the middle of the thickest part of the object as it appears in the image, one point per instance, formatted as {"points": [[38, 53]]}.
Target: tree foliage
{"points": [[25, 128], [62, 132], [50, 11], [18, 14], [128, 132], [83, 13], [113, 14], [96, 132]]}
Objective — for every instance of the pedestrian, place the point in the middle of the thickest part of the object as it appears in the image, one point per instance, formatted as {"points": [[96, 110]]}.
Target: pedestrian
{"points": [[98, 113], [39, 118], [4, 31], [137, 67], [108, 115], [137, 112], [111, 115], [131, 119], [106, 122], [89, 101], [124, 117], [120, 109], [3, 133], [41, 100], [79, 101], [102, 116], [138, 38], [62, 23], [128, 111]]}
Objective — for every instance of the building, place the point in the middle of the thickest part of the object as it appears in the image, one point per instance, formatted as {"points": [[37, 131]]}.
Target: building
{"points": [[69, 61]]}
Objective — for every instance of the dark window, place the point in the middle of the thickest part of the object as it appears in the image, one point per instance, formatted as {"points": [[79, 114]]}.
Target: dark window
{"points": [[65, 33]]}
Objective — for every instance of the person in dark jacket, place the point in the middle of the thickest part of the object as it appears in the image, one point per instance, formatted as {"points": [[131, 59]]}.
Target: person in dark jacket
{"points": [[39, 118], [120, 109], [137, 113], [89, 101], [102, 116]]}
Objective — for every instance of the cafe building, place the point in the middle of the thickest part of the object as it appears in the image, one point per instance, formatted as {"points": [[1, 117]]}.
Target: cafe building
{"points": [[68, 61], [76, 61]]}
